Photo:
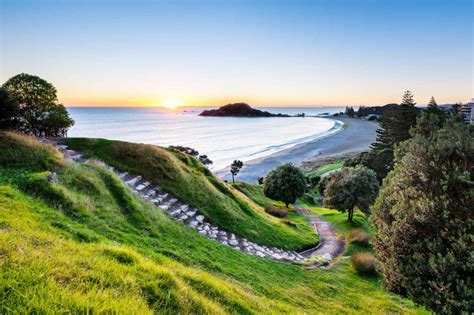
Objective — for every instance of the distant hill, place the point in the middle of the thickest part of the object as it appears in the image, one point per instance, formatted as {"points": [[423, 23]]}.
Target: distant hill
{"points": [[378, 110], [238, 110]]}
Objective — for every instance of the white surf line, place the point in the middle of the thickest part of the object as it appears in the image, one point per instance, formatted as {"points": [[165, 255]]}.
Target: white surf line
{"points": [[182, 212]]}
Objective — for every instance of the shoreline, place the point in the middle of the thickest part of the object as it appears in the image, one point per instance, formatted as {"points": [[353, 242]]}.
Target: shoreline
{"points": [[355, 135]]}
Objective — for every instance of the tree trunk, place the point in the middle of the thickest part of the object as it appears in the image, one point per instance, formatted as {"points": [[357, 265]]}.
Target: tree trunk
{"points": [[350, 214], [286, 203], [233, 178]]}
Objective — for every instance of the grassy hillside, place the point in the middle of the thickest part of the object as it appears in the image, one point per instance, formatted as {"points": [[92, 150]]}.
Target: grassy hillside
{"points": [[87, 244], [193, 183]]}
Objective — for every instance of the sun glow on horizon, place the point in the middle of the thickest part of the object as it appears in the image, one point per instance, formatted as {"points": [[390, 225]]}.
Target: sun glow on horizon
{"points": [[171, 103]]}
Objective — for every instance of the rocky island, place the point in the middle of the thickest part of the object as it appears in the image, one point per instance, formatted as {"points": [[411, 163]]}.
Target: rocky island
{"points": [[239, 110]]}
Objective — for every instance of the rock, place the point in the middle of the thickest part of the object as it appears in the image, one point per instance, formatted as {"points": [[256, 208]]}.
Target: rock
{"points": [[260, 254], [200, 218], [327, 256], [182, 217], [53, 178], [224, 243], [193, 224], [203, 232], [233, 242]]}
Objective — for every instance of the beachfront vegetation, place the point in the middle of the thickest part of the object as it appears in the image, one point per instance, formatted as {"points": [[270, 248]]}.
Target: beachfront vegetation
{"points": [[285, 183], [350, 188], [29, 104], [235, 168], [9, 111], [86, 243], [187, 179], [424, 218]]}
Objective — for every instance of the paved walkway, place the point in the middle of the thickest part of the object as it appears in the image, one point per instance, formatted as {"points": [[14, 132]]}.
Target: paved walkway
{"points": [[330, 245]]}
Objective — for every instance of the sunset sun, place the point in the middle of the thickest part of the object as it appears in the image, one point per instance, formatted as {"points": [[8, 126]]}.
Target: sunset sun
{"points": [[172, 103]]}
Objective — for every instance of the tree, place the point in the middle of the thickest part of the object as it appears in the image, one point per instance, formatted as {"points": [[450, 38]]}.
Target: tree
{"points": [[40, 114], [381, 161], [235, 168], [350, 111], [204, 159], [396, 123], [285, 183], [9, 111], [434, 109], [350, 188], [425, 219]]}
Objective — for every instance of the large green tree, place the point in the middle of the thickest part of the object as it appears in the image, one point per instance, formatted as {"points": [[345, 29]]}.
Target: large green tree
{"points": [[434, 109], [40, 114], [351, 188], [396, 123], [425, 218], [9, 111], [285, 183]]}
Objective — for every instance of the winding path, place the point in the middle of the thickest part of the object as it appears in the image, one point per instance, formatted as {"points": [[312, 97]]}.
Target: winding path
{"points": [[330, 245]]}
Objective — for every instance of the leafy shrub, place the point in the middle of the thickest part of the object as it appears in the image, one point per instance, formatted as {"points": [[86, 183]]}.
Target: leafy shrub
{"points": [[276, 211], [360, 237], [364, 264], [285, 183], [424, 217]]}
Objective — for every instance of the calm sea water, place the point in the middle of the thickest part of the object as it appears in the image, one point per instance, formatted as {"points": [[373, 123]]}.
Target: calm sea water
{"points": [[223, 139]]}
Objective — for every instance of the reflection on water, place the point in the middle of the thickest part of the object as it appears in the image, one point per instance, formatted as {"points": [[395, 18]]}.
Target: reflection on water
{"points": [[223, 139]]}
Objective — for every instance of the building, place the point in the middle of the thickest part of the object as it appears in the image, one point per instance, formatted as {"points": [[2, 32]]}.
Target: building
{"points": [[467, 112]]}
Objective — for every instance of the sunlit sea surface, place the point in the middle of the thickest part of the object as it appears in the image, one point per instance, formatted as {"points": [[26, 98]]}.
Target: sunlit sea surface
{"points": [[223, 139]]}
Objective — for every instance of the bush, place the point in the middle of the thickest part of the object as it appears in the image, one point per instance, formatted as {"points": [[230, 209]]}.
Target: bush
{"points": [[424, 218], [276, 211], [285, 183], [360, 237], [364, 264]]}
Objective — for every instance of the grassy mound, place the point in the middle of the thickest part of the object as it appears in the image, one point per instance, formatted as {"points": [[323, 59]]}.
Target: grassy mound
{"points": [[86, 244], [193, 183]]}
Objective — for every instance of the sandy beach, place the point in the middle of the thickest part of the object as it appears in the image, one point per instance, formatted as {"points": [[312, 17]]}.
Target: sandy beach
{"points": [[356, 136]]}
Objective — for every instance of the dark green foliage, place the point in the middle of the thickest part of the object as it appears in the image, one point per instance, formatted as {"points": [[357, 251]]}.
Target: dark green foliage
{"points": [[39, 112], [434, 109], [425, 218], [396, 123], [276, 211], [322, 184], [350, 111], [235, 168], [313, 180], [285, 183], [373, 110], [350, 188], [381, 161], [9, 111]]}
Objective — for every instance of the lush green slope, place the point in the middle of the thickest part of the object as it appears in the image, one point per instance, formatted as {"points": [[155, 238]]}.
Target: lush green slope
{"points": [[193, 183], [86, 243]]}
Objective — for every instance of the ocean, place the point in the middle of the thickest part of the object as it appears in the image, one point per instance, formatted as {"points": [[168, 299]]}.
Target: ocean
{"points": [[223, 139]]}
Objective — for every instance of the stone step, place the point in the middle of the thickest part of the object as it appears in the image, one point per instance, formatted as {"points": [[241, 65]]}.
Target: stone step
{"points": [[133, 180], [149, 192], [141, 185], [122, 175]]}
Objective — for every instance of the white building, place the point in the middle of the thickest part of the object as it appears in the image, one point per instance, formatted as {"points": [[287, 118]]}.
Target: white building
{"points": [[467, 112]]}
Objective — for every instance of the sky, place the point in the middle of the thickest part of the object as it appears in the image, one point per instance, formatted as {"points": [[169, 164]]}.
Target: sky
{"points": [[265, 53]]}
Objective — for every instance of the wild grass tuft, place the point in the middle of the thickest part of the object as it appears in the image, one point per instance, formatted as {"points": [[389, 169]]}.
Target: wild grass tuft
{"points": [[364, 264]]}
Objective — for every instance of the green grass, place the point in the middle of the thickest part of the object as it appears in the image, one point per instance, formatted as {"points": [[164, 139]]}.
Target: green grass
{"points": [[194, 184], [255, 192], [88, 245], [327, 168]]}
